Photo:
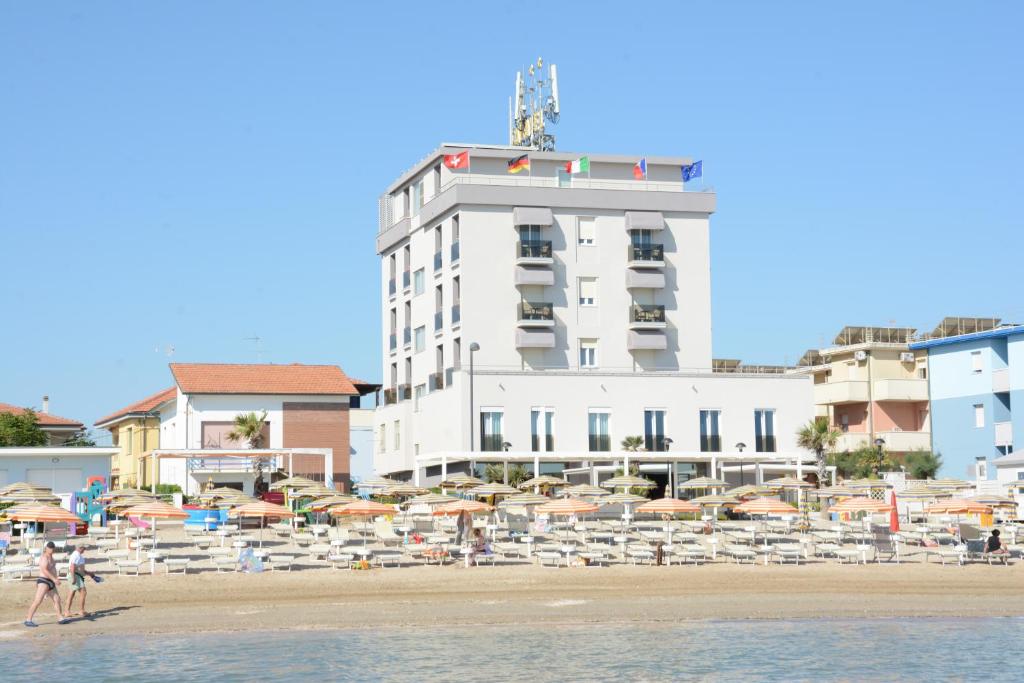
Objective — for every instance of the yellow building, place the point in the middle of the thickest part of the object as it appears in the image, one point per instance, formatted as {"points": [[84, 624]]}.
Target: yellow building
{"points": [[136, 432]]}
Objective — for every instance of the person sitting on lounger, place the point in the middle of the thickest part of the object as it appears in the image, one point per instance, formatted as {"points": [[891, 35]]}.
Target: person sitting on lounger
{"points": [[480, 546], [994, 546]]}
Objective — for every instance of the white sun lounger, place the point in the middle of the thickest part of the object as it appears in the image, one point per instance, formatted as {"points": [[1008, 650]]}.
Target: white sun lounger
{"points": [[280, 562], [128, 567]]}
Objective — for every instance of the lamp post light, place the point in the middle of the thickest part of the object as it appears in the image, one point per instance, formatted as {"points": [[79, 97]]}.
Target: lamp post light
{"points": [[740, 446], [473, 348], [879, 444]]}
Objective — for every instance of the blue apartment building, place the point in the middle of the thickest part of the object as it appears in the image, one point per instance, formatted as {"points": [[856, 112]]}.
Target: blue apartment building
{"points": [[976, 392]]}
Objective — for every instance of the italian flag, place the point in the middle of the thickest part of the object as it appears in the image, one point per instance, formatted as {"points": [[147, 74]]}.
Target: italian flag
{"points": [[581, 165]]}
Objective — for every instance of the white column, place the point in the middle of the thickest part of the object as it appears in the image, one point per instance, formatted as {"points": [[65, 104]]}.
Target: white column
{"points": [[714, 467], [758, 474], [536, 471], [444, 467], [329, 468], [505, 472]]}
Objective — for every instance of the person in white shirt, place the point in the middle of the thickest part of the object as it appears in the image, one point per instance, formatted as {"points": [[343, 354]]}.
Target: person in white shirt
{"points": [[76, 578]]}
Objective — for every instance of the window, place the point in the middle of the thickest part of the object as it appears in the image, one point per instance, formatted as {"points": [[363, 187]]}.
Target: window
{"points": [[586, 231], [764, 431], [128, 433], [491, 434], [654, 430], [976, 362], [394, 374], [417, 198], [420, 337], [542, 429], [641, 238], [397, 429], [979, 415], [382, 438], [457, 352], [600, 437], [417, 393], [530, 233], [588, 291], [405, 203], [437, 180], [438, 307], [417, 282], [588, 353], [438, 260], [844, 423], [710, 436]]}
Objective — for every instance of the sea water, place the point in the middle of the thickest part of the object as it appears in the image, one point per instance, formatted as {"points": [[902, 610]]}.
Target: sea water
{"points": [[813, 649]]}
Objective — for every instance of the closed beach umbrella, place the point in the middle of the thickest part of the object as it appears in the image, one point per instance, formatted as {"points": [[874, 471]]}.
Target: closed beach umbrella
{"points": [[262, 510], [628, 481]]}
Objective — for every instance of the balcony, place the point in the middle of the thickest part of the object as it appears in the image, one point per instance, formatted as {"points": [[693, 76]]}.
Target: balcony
{"points": [[491, 443], [227, 465], [838, 393], [404, 392], [1001, 380], [902, 442], [764, 444], [1004, 433], [534, 253], [438, 261], [456, 314], [644, 279], [392, 287], [393, 341], [455, 252], [536, 314], [535, 276], [647, 317], [438, 320], [648, 256], [600, 443], [390, 396], [535, 338], [406, 279], [435, 381], [646, 340], [710, 443], [901, 390], [851, 441], [406, 336]]}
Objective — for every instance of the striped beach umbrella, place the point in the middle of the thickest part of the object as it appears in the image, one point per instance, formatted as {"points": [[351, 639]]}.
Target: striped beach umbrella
{"points": [[922, 493], [745, 491], [585, 491], [621, 499], [43, 514], [331, 501], [628, 481], [543, 481], [494, 489], [292, 483], [565, 506], [363, 508], [669, 506], [461, 481], [524, 500], [766, 506], [867, 484], [861, 504], [460, 506], [23, 486], [262, 510], [840, 491], [948, 484], [30, 496], [403, 491], [702, 483], [431, 499], [958, 506], [155, 509], [788, 483], [994, 500], [716, 501], [125, 493], [315, 491]]}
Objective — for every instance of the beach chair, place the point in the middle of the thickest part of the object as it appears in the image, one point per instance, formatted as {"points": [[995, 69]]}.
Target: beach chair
{"points": [[847, 555], [509, 549], [225, 562], [128, 567], [886, 545], [18, 569], [548, 558], [319, 551], [791, 552], [385, 533], [739, 553], [339, 560], [386, 557], [202, 542], [690, 553], [949, 555], [280, 562], [176, 564]]}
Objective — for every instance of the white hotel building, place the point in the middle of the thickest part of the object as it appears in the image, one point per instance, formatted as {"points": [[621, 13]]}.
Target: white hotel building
{"points": [[589, 300]]}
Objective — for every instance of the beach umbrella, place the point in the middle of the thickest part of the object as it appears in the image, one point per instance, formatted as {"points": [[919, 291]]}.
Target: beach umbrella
{"points": [[363, 508], [403, 491], [621, 499], [30, 496], [993, 500], [114, 494], [746, 490], [765, 507], [544, 480], [860, 504], [839, 491], [42, 514], [461, 481], [948, 484], [585, 491], [430, 499], [461, 506], [702, 483], [374, 483], [315, 491], [867, 484], [628, 481], [922, 493], [959, 506], [262, 510], [292, 483], [788, 483], [669, 506], [155, 510], [494, 489], [564, 507], [24, 486], [524, 500], [325, 502]]}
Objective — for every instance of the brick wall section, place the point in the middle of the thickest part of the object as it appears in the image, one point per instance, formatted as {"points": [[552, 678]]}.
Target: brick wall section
{"points": [[318, 425]]}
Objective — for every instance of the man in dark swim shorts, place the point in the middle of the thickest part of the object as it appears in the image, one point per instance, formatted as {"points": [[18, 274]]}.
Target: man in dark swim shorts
{"points": [[46, 584]]}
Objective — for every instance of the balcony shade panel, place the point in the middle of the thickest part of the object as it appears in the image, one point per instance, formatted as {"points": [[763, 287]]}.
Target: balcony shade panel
{"points": [[544, 277], [531, 215], [646, 341], [644, 220], [637, 279], [535, 339]]}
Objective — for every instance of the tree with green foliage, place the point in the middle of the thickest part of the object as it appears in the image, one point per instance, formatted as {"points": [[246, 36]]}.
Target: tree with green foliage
{"points": [[81, 439], [21, 430], [922, 463], [633, 443], [861, 463], [249, 428], [818, 436], [495, 472]]}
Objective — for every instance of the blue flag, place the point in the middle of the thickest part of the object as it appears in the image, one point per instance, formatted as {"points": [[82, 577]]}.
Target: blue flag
{"points": [[691, 171]]}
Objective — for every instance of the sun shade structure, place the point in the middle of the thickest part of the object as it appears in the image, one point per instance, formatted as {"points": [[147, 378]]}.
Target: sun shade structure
{"points": [[119, 505], [124, 493], [364, 508], [669, 506], [621, 499], [156, 510], [839, 491], [788, 483], [27, 496], [317, 491], [743, 491], [495, 489], [867, 484], [461, 506], [922, 493], [376, 483], [261, 508], [293, 483], [716, 501], [23, 486], [958, 506], [994, 500], [524, 500], [403, 490], [461, 481], [766, 506], [44, 513], [628, 481], [702, 483], [565, 506], [948, 484], [545, 480], [861, 505], [431, 499], [331, 501], [585, 491]]}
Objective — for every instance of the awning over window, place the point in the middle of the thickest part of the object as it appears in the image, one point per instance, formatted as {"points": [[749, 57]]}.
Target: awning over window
{"points": [[531, 215], [644, 220]]}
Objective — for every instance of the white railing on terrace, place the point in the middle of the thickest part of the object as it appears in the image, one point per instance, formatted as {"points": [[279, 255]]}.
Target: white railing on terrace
{"points": [[575, 183], [222, 464], [575, 370]]}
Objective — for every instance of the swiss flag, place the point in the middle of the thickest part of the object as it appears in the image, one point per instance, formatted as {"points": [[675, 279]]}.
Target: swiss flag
{"points": [[460, 160]]}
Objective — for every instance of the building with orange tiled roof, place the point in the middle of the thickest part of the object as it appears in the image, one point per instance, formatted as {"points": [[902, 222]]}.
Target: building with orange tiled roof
{"points": [[182, 435], [58, 429]]}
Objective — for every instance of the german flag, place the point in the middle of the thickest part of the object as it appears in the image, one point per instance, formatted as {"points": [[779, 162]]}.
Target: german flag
{"points": [[519, 164]]}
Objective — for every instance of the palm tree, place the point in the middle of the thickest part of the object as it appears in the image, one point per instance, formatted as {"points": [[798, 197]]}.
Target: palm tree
{"points": [[495, 472], [817, 436], [633, 443], [249, 428]]}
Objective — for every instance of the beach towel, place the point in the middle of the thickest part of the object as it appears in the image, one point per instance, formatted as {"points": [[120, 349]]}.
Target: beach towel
{"points": [[138, 522]]}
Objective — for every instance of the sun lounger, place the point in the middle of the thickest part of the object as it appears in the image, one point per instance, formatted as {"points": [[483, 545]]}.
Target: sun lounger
{"points": [[280, 562], [202, 542], [548, 558], [640, 555], [508, 549], [595, 558], [690, 552], [128, 567], [339, 560], [997, 558], [319, 551], [16, 571], [740, 553], [950, 555], [225, 563], [385, 557], [791, 552], [847, 555], [176, 564]]}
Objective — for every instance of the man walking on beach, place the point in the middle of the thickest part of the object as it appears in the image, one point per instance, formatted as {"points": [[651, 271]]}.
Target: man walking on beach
{"points": [[76, 579], [46, 584]]}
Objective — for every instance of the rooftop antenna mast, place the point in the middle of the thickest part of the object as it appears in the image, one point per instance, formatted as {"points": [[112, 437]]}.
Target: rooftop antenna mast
{"points": [[536, 102], [257, 341]]}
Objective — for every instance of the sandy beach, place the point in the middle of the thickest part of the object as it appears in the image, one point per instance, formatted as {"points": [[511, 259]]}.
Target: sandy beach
{"points": [[416, 596]]}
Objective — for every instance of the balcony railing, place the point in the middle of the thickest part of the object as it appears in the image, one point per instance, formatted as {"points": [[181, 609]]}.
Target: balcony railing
{"points": [[710, 443], [392, 287], [438, 320], [650, 252], [655, 442], [435, 382], [542, 442], [406, 336], [533, 249], [456, 314], [393, 341], [455, 252], [539, 311], [438, 262], [404, 392], [764, 444], [491, 442], [406, 279], [390, 396], [600, 443], [646, 313]]}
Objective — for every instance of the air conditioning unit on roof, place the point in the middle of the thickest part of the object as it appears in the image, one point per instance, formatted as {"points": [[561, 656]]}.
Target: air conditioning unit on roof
{"points": [[860, 355], [906, 357]]}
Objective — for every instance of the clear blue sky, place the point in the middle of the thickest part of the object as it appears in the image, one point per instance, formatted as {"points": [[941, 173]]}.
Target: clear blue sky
{"points": [[191, 174]]}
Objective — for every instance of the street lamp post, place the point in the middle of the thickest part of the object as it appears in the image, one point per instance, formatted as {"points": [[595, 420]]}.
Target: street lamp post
{"points": [[473, 348], [671, 479], [740, 446], [880, 444]]}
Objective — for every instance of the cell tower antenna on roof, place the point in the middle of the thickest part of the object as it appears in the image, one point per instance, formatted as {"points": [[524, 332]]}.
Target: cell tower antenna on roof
{"points": [[535, 102]]}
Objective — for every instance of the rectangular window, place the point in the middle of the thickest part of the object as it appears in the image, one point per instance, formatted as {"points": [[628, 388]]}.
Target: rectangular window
{"points": [[586, 230], [457, 352], [976, 362], [588, 353], [979, 415], [382, 438], [588, 291], [397, 430], [417, 282], [437, 180], [598, 430], [417, 198], [420, 337], [764, 431], [542, 430], [654, 430], [491, 434], [128, 432], [417, 393], [710, 436]]}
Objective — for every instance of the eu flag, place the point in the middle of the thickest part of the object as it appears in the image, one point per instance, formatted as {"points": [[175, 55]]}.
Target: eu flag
{"points": [[691, 171]]}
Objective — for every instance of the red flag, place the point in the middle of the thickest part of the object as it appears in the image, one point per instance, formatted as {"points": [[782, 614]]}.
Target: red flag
{"points": [[460, 160], [894, 516]]}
